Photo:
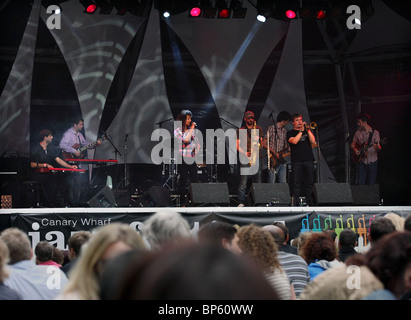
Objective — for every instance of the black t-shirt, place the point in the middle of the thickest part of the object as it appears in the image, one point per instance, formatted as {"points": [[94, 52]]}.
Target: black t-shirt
{"points": [[302, 150], [39, 155]]}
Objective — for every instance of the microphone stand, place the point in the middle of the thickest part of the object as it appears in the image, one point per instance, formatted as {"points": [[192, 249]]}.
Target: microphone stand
{"points": [[116, 151]]}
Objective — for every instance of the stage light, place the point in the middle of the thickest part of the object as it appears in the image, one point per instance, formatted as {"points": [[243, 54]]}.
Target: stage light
{"points": [[195, 12], [207, 9], [238, 11], [105, 6], [89, 5], [223, 11], [290, 14], [264, 9], [320, 14]]}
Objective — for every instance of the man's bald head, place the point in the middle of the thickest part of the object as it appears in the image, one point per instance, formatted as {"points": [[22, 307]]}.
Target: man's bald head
{"points": [[277, 233]]}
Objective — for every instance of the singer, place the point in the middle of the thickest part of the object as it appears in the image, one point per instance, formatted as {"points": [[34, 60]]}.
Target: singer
{"points": [[188, 145]]}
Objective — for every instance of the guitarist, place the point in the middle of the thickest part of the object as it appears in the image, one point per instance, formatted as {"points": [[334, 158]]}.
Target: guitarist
{"points": [[366, 145], [278, 143], [73, 139]]}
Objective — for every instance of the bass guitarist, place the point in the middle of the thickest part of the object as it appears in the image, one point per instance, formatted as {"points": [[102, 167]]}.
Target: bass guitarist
{"points": [[72, 140], [278, 145], [365, 146]]}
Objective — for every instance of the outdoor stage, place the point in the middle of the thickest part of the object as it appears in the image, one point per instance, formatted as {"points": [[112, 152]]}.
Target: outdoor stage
{"points": [[57, 224]]}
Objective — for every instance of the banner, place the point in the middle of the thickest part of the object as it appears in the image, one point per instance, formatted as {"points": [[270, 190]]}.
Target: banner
{"points": [[57, 227]]}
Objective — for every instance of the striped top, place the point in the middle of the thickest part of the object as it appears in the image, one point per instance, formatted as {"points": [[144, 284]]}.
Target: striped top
{"points": [[280, 282], [296, 269]]}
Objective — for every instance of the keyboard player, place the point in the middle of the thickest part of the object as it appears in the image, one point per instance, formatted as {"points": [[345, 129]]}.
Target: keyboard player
{"points": [[43, 156]]}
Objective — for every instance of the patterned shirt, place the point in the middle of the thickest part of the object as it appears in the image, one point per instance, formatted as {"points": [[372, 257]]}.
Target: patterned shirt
{"points": [[278, 138], [186, 149], [361, 138]]}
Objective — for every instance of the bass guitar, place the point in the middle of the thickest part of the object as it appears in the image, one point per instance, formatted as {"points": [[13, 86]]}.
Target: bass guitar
{"points": [[81, 150], [363, 148]]}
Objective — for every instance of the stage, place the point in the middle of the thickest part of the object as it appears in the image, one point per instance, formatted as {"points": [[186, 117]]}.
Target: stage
{"points": [[57, 224]]}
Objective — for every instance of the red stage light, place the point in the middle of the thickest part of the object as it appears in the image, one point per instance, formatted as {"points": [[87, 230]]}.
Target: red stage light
{"points": [[320, 14], [290, 14], [91, 8], [224, 13], [195, 12]]}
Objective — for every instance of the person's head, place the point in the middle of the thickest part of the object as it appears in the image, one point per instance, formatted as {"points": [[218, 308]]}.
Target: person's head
{"points": [[347, 238], [4, 259], [259, 245], [46, 135], [397, 220], [390, 260], [189, 271], [78, 124], [319, 246], [249, 118], [283, 118], [164, 227], [220, 233], [380, 227], [297, 121], [105, 243], [185, 117], [363, 119], [18, 244], [75, 242], [43, 252], [277, 233], [283, 227]]}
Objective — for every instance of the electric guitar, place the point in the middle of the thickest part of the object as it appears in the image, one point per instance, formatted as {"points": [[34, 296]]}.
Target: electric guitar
{"points": [[363, 148], [67, 155]]}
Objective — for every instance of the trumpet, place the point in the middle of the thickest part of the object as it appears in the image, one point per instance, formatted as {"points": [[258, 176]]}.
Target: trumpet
{"points": [[312, 126]]}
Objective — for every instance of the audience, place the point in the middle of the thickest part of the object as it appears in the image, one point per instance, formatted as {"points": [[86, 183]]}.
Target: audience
{"points": [[75, 243], [165, 227], [295, 266], [31, 281], [320, 253], [285, 246], [346, 244], [379, 228], [396, 219], [259, 245], [104, 244], [186, 271], [44, 253], [407, 223], [220, 233], [6, 293]]}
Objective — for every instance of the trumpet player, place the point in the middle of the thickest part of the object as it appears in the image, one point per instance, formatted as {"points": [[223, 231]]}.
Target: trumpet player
{"points": [[302, 158]]}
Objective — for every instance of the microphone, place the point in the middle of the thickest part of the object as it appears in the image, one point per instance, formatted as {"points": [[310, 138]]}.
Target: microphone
{"points": [[192, 122]]}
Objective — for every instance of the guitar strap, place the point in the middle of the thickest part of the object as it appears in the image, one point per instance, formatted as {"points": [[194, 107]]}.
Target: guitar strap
{"points": [[370, 137]]}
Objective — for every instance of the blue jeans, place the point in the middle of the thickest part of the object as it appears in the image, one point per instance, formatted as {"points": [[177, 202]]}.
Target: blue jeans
{"points": [[280, 172], [367, 173]]}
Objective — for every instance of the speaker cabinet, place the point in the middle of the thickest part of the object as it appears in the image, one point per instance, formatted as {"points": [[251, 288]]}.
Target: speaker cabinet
{"points": [[330, 194], [215, 193], [157, 196], [275, 194], [366, 195], [103, 199]]}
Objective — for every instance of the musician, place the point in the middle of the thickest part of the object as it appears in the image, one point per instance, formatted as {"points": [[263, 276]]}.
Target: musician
{"points": [[188, 147], [73, 139], [42, 157], [301, 139], [365, 135], [244, 149], [278, 144]]}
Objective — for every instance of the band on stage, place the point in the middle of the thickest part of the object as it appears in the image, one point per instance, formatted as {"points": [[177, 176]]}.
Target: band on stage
{"points": [[275, 155]]}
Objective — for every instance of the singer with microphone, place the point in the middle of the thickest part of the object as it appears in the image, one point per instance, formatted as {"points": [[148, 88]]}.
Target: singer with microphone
{"points": [[302, 158], [188, 145]]}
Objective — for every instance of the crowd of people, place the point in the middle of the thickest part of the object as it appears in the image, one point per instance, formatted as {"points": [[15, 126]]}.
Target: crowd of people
{"points": [[168, 260]]}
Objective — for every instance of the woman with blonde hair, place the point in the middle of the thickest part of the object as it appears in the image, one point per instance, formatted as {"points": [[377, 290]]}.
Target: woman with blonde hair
{"points": [[260, 246], [105, 243]]}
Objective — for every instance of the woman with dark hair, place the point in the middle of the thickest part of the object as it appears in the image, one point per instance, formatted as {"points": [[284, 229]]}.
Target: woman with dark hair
{"points": [[188, 147], [320, 253]]}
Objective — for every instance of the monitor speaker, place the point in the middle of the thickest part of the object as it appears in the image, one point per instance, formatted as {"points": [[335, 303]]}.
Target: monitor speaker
{"points": [[275, 194], [366, 195], [157, 196], [103, 199], [329, 194], [214, 193]]}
